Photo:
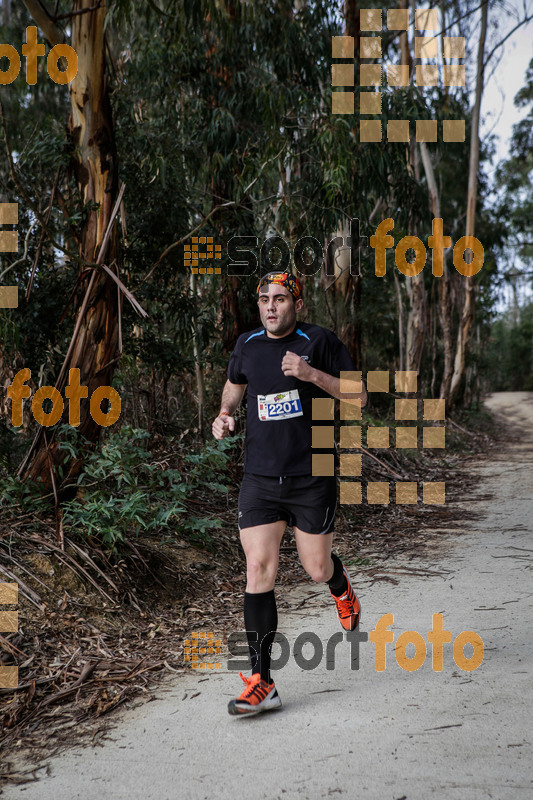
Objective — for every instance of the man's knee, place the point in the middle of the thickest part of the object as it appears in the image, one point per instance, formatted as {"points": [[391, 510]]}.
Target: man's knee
{"points": [[261, 572], [319, 571], [260, 567]]}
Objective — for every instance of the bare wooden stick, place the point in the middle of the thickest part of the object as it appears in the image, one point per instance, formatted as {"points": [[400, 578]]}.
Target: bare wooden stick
{"points": [[58, 383]]}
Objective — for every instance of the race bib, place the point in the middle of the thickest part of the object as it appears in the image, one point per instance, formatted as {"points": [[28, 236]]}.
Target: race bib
{"points": [[283, 405]]}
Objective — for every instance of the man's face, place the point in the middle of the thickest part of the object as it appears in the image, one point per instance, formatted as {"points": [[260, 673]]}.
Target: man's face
{"points": [[278, 310]]}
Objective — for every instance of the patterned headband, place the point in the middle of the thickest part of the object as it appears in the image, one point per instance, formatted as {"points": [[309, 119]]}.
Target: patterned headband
{"points": [[290, 282]]}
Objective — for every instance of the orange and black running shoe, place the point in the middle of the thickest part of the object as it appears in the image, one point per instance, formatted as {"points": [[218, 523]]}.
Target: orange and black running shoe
{"points": [[348, 607], [258, 696]]}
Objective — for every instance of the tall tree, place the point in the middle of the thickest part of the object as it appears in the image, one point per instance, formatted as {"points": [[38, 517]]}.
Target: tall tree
{"points": [[444, 301], [415, 286], [94, 346], [467, 314]]}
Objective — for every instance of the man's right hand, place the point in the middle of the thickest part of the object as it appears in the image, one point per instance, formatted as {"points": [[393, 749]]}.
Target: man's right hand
{"points": [[223, 426]]}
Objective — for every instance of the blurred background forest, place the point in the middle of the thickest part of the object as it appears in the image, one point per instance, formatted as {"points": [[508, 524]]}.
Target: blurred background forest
{"points": [[214, 119]]}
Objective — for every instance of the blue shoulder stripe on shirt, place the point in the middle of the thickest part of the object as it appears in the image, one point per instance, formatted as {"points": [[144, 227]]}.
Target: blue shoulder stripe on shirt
{"points": [[254, 334], [301, 333]]}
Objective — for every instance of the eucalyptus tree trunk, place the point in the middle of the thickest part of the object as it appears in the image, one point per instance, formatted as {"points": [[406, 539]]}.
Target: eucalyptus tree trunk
{"points": [[444, 297], [198, 369], [94, 348], [351, 331], [401, 337], [415, 287], [230, 317], [343, 287], [416, 321], [467, 315]]}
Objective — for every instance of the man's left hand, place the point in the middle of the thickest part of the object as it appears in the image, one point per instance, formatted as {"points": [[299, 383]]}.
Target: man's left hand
{"points": [[293, 365]]}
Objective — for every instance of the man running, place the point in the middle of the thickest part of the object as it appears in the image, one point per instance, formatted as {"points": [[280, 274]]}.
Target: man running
{"points": [[285, 364]]}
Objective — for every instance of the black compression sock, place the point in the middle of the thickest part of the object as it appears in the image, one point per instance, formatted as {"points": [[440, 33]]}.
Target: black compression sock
{"points": [[337, 583], [261, 618]]}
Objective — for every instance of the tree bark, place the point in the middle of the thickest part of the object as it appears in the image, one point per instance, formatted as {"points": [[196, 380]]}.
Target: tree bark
{"points": [[345, 288], [416, 322], [400, 321], [6, 13], [352, 23], [467, 315], [445, 306], [199, 373], [405, 52], [95, 348], [415, 287]]}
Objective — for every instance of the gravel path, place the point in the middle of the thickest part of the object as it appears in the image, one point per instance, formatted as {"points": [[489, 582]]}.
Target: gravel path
{"points": [[361, 733]]}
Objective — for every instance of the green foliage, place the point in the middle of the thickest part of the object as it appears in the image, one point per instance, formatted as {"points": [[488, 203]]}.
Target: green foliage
{"points": [[510, 351], [123, 492], [515, 178], [212, 461], [223, 125], [358, 562], [16, 496]]}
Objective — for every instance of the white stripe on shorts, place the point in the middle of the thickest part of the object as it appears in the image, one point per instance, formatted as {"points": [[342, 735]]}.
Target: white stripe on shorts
{"points": [[329, 521]]}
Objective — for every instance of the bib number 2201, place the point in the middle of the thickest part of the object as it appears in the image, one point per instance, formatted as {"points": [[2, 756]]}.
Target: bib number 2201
{"points": [[283, 405], [284, 408]]}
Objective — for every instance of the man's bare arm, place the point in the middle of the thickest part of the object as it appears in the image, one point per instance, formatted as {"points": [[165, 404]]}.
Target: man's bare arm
{"points": [[293, 365], [232, 395], [332, 386]]}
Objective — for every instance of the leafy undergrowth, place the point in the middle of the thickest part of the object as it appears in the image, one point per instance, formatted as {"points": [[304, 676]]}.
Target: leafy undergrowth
{"points": [[146, 551]]}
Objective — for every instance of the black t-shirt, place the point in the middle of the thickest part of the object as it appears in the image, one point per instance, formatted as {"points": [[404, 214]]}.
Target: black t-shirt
{"points": [[280, 443]]}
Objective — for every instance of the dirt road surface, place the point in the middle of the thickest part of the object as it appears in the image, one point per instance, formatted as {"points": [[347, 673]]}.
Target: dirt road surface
{"points": [[359, 733]]}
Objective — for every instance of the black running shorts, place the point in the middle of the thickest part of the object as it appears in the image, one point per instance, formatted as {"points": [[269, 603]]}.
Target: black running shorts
{"points": [[303, 501]]}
